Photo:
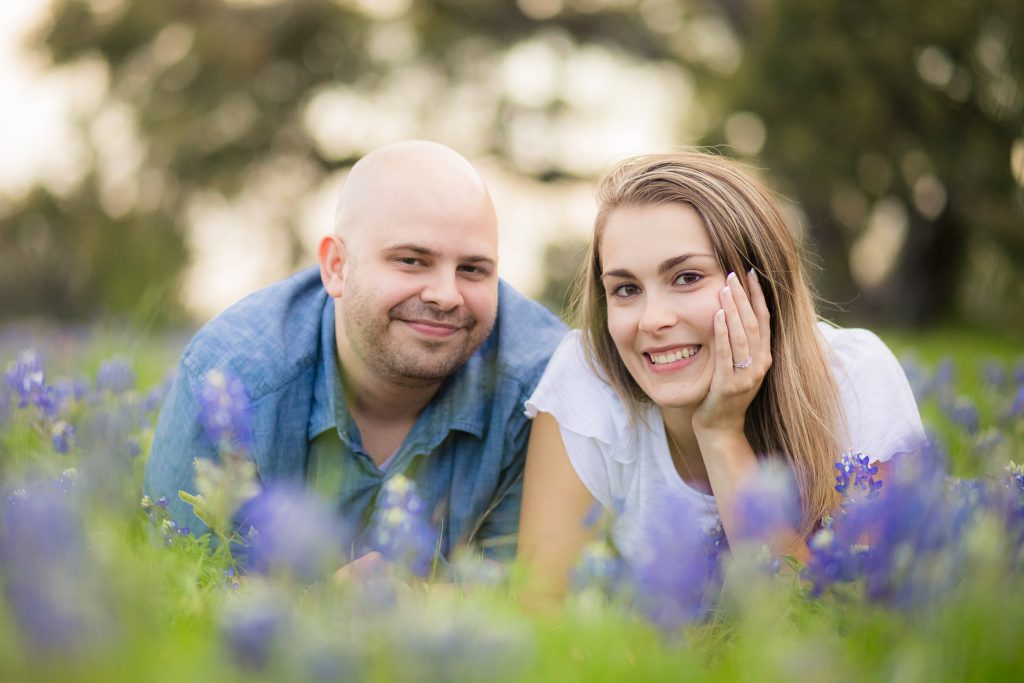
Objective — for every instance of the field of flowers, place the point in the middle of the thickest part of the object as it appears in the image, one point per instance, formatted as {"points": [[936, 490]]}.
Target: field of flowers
{"points": [[921, 579]]}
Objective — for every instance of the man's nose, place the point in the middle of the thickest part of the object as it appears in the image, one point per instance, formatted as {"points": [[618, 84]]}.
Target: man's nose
{"points": [[657, 314], [442, 290]]}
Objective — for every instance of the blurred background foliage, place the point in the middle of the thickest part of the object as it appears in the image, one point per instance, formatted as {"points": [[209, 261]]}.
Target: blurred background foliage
{"points": [[894, 128]]}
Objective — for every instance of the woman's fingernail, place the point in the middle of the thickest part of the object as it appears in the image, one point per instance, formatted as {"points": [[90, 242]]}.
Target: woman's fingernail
{"points": [[730, 276]]}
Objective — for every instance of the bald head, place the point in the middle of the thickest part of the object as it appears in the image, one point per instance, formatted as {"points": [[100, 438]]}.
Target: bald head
{"points": [[413, 176]]}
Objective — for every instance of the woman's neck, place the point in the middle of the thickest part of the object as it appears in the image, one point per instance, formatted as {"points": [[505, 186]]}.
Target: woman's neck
{"points": [[684, 448]]}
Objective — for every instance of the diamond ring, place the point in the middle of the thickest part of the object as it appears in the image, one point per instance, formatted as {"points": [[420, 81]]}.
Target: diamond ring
{"points": [[745, 363]]}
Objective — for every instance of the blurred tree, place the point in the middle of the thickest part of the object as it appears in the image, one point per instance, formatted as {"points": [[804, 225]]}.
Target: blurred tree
{"points": [[891, 122], [899, 128]]}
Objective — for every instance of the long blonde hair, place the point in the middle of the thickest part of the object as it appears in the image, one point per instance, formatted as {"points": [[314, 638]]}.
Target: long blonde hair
{"points": [[796, 414]]}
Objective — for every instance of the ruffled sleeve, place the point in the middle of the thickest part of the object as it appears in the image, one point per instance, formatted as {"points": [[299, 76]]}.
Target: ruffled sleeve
{"points": [[881, 412], [592, 420]]}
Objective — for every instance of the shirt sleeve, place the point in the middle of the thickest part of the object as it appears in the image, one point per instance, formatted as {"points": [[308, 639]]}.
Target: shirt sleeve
{"points": [[590, 418], [881, 412], [178, 440]]}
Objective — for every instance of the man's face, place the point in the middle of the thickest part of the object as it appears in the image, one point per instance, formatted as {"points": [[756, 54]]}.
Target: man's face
{"points": [[420, 290]]}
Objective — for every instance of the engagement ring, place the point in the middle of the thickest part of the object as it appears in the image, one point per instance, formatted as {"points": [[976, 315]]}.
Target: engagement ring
{"points": [[745, 363]]}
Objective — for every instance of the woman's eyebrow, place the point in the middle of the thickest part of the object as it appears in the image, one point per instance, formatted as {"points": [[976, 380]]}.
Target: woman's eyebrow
{"points": [[670, 263], [663, 267]]}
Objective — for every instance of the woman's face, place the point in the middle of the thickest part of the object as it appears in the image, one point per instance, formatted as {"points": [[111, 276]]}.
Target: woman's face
{"points": [[662, 283]]}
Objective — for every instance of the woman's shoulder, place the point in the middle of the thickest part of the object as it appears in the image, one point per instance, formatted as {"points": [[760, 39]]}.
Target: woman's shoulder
{"points": [[854, 350], [577, 395]]}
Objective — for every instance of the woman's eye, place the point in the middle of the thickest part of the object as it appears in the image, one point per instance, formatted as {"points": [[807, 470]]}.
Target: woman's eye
{"points": [[623, 291], [688, 278], [409, 260]]}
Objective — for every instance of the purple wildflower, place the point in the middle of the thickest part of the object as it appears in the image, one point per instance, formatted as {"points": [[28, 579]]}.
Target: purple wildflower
{"points": [[62, 435], [670, 574], [115, 376], [1016, 409], [250, 625], [768, 504], [400, 530], [944, 378], [855, 470], [26, 378], [964, 414], [916, 376], [995, 375], [224, 411], [1018, 372], [46, 569], [291, 532]]}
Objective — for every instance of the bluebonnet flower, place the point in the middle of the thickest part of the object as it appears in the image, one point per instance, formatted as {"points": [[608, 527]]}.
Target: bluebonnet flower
{"points": [[26, 378], [293, 533], [964, 414], [916, 376], [46, 569], [670, 575], [400, 530], [62, 435], [995, 375], [250, 625], [1016, 409], [945, 375], [767, 504], [230, 580], [856, 470], [115, 376], [1018, 372], [1016, 473], [225, 411], [222, 487]]}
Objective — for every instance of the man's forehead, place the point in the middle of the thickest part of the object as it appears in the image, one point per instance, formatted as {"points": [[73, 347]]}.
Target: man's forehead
{"points": [[441, 247]]}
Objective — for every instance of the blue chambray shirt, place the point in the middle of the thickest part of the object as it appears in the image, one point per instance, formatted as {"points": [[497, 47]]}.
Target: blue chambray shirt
{"points": [[465, 452]]}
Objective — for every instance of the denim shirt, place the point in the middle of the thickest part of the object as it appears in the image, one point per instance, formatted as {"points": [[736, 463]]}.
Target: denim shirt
{"points": [[465, 452]]}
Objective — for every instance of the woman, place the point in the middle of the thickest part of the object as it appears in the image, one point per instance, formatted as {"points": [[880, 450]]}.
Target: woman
{"points": [[700, 351]]}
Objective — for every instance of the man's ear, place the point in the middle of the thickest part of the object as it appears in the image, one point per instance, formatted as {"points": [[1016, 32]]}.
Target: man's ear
{"points": [[332, 256]]}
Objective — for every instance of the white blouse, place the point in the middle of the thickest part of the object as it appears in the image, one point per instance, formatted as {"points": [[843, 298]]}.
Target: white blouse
{"points": [[629, 468]]}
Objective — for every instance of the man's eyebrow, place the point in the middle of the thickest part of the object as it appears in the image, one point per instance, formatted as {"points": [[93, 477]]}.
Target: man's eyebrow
{"points": [[424, 251], [663, 267]]}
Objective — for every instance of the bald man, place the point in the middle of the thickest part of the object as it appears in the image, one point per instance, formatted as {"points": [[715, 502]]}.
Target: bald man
{"points": [[403, 353]]}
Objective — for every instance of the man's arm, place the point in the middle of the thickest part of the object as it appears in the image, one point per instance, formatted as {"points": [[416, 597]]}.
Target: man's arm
{"points": [[178, 440]]}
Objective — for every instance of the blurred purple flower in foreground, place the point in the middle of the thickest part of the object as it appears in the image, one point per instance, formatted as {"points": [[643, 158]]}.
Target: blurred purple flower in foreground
{"points": [[671, 579], [224, 411], [400, 530], [47, 573], [293, 533], [115, 376]]}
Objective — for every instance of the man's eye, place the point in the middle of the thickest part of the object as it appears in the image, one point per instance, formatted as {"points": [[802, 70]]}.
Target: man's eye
{"points": [[625, 290], [688, 277], [409, 260]]}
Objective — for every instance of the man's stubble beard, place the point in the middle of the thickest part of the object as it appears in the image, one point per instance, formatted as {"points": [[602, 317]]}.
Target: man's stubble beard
{"points": [[415, 363]]}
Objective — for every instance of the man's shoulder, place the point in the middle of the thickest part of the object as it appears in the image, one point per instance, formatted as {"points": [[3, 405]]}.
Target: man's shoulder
{"points": [[528, 334], [267, 338]]}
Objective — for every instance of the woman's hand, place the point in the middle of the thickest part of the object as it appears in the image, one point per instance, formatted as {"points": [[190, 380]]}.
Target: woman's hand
{"points": [[742, 358]]}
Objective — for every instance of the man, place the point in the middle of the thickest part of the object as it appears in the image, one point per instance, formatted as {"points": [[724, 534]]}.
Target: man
{"points": [[403, 354]]}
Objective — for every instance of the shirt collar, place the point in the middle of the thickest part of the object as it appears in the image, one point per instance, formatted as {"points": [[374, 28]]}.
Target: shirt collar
{"points": [[460, 404]]}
